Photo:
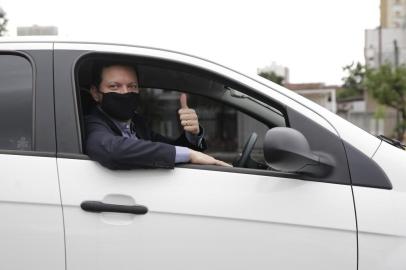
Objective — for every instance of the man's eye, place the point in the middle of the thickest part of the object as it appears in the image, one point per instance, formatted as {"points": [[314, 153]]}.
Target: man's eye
{"points": [[133, 86], [113, 86]]}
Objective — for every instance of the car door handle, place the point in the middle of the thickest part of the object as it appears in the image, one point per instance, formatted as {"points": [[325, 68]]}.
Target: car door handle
{"points": [[99, 207]]}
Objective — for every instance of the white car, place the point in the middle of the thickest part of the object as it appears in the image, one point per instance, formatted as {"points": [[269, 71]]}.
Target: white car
{"points": [[314, 192]]}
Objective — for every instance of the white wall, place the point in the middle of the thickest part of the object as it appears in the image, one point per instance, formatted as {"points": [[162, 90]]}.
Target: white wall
{"points": [[388, 35]]}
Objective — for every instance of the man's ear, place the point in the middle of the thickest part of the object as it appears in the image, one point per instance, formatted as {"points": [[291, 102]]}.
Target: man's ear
{"points": [[97, 96]]}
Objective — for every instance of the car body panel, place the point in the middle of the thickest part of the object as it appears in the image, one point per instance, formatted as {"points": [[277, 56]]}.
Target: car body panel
{"points": [[31, 227], [204, 219], [15, 46], [381, 215]]}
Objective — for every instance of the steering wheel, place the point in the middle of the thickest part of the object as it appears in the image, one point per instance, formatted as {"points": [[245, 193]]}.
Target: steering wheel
{"points": [[246, 152]]}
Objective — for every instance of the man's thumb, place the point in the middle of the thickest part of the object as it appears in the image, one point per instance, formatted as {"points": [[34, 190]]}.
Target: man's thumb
{"points": [[183, 101]]}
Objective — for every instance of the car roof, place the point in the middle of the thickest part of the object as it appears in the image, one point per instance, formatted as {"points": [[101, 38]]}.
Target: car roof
{"points": [[58, 39]]}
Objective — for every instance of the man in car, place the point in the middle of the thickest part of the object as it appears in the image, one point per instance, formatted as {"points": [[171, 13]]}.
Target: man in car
{"points": [[119, 138]]}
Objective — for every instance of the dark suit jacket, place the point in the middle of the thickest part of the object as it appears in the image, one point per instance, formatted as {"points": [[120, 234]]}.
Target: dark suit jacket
{"points": [[105, 144]]}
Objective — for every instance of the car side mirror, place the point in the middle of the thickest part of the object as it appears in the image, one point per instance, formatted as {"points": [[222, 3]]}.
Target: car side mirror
{"points": [[287, 150]]}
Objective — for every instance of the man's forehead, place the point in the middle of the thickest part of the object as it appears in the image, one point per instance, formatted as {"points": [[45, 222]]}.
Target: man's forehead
{"points": [[119, 69]]}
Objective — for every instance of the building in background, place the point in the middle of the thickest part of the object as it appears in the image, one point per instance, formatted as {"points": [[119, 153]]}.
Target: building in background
{"points": [[393, 13], [387, 43], [324, 95], [37, 30], [367, 114]]}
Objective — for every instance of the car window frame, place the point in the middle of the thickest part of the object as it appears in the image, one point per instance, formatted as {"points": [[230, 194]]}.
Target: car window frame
{"points": [[68, 59], [40, 58], [78, 154]]}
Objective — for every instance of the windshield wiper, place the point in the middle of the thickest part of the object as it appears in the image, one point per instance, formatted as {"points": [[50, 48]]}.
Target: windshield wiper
{"points": [[392, 141]]}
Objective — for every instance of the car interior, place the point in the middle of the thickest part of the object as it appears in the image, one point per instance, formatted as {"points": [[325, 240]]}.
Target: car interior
{"points": [[233, 118]]}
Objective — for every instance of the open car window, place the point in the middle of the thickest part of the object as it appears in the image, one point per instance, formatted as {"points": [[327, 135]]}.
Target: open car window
{"points": [[228, 112], [226, 129]]}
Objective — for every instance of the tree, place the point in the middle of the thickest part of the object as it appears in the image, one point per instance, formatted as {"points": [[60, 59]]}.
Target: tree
{"points": [[353, 82], [387, 85], [272, 76], [3, 22]]}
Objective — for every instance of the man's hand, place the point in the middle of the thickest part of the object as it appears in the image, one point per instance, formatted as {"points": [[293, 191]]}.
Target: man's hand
{"points": [[188, 117], [203, 159]]}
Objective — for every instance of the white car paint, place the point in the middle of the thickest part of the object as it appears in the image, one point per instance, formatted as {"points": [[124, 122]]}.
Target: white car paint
{"points": [[381, 215], [217, 195], [31, 224], [201, 219]]}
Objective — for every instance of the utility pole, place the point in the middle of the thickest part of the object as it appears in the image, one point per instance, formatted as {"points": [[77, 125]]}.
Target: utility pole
{"points": [[396, 52], [379, 45]]}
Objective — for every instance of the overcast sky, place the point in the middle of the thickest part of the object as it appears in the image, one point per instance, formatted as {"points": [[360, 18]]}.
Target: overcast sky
{"points": [[313, 38]]}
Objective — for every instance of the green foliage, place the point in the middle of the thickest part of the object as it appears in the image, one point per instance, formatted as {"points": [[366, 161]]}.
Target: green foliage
{"points": [[272, 76], [353, 85], [380, 112], [387, 85]]}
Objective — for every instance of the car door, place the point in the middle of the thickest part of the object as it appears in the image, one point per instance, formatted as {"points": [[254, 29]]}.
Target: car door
{"points": [[31, 225], [196, 217], [381, 213]]}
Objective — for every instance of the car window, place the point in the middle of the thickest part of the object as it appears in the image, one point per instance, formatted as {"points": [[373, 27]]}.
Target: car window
{"points": [[228, 115], [16, 80], [226, 129], [229, 111]]}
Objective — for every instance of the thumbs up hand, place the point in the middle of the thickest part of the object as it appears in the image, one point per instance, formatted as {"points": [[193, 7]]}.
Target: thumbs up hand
{"points": [[188, 117]]}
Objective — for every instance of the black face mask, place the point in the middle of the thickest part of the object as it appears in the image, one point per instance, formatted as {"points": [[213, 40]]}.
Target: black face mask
{"points": [[120, 106]]}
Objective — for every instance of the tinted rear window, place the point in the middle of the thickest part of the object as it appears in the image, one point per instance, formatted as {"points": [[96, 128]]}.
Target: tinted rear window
{"points": [[16, 93]]}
